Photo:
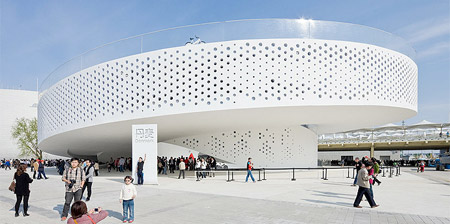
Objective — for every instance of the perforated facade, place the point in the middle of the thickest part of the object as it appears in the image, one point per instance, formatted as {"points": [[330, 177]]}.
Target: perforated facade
{"points": [[284, 83]]}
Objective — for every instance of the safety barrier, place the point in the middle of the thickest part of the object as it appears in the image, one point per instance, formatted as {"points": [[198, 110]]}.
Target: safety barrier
{"points": [[262, 171]]}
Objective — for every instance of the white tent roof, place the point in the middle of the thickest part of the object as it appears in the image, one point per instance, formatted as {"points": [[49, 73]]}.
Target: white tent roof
{"points": [[424, 125], [423, 122], [389, 125]]}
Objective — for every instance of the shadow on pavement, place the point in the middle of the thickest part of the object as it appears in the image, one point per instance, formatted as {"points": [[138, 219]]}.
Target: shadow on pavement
{"points": [[59, 208], [116, 180], [350, 204], [332, 193], [115, 214]]}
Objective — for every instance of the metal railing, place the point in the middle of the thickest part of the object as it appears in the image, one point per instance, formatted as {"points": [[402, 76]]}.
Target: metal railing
{"points": [[227, 31], [390, 170]]}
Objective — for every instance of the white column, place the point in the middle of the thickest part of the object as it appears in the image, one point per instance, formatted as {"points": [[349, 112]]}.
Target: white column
{"points": [[145, 143]]}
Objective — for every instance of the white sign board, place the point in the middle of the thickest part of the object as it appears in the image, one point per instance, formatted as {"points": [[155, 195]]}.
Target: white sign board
{"points": [[145, 145]]}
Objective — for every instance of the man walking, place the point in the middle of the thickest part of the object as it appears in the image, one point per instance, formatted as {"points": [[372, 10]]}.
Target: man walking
{"points": [[364, 187], [165, 165], [36, 167], [89, 172], [74, 177], [249, 170], [8, 165], [171, 165], [182, 168], [96, 168], [41, 171], [121, 164], [358, 165]]}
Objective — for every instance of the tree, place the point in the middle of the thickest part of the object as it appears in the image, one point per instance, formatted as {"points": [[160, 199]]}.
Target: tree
{"points": [[25, 132]]}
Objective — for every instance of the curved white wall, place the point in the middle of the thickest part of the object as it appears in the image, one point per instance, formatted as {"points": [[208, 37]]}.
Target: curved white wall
{"points": [[334, 85], [268, 147]]}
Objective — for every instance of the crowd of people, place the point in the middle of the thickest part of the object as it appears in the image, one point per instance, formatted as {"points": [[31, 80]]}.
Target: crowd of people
{"points": [[201, 164], [190, 163], [78, 176], [120, 164], [37, 166]]}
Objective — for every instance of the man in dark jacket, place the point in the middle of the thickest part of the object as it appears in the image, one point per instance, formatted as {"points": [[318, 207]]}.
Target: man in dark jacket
{"points": [[358, 165]]}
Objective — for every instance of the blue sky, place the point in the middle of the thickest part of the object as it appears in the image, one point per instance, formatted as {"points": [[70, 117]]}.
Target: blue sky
{"points": [[38, 36]]}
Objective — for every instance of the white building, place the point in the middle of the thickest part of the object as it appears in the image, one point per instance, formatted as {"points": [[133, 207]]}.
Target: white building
{"points": [[15, 104], [254, 88]]}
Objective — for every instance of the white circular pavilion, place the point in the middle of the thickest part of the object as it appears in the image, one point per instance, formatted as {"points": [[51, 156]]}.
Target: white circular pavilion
{"points": [[253, 88]]}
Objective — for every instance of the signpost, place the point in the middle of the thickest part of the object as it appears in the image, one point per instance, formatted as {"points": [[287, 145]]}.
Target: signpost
{"points": [[145, 139]]}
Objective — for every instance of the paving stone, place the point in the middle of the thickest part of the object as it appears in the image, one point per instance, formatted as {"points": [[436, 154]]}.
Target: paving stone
{"points": [[216, 201]]}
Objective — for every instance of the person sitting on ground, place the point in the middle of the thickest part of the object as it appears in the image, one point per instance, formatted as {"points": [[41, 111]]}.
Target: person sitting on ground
{"points": [[80, 214]]}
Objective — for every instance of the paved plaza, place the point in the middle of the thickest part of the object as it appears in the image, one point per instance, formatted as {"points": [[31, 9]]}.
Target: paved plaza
{"points": [[409, 198]]}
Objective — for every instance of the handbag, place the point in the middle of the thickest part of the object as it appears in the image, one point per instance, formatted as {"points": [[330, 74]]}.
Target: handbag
{"points": [[12, 186]]}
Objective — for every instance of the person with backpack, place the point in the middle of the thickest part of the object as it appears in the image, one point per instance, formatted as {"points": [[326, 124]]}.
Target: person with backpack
{"points": [[376, 168], [74, 177], [22, 189], [249, 170], [89, 171]]}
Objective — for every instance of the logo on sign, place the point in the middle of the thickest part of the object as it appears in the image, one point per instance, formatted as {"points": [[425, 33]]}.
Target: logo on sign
{"points": [[145, 135]]}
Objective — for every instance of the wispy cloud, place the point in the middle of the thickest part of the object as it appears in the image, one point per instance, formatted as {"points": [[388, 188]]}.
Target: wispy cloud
{"points": [[425, 30], [430, 37], [435, 49]]}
